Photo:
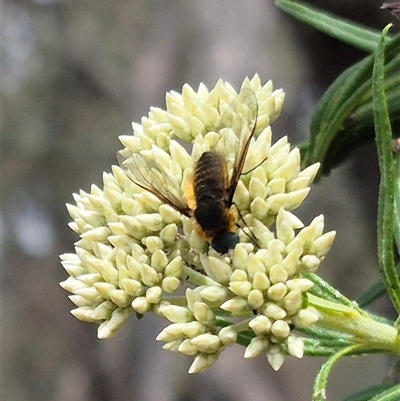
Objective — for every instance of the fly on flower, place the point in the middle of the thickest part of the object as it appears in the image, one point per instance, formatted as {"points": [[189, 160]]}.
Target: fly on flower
{"points": [[209, 198]]}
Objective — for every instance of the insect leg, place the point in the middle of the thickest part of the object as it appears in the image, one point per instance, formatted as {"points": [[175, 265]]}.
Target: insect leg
{"points": [[252, 237]]}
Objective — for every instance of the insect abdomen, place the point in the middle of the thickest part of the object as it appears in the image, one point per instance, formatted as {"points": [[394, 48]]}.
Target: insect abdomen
{"points": [[210, 180], [209, 177]]}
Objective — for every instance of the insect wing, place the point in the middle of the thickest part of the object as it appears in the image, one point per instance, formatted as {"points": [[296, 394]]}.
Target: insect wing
{"points": [[150, 176], [241, 117]]}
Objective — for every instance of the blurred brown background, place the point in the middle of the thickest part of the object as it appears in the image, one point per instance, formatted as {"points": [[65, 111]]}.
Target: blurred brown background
{"points": [[74, 76]]}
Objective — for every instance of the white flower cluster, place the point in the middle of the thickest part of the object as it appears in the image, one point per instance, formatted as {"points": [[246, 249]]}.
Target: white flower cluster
{"points": [[136, 250]]}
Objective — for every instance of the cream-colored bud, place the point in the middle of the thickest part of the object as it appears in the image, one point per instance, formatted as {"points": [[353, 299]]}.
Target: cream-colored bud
{"points": [[153, 243], [159, 260], [259, 208], [280, 329], [180, 154], [240, 288], [83, 313], [239, 275], [296, 198], [79, 301], [261, 282], [140, 305], [176, 314], [301, 284], [186, 347], [241, 196], [275, 357], [169, 233], [285, 232], [98, 234], [154, 294], [276, 186], [134, 267], [110, 327], [155, 308], [120, 298], [236, 304], [227, 335], [277, 291], [193, 329], [213, 293], [310, 172], [307, 235], [310, 263], [120, 177], [239, 259], [291, 262], [90, 293], [149, 201], [152, 222], [216, 269], [258, 345], [324, 243], [202, 362], [295, 346], [275, 250], [254, 265], [277, 274], [275, 202], [174, 268], [71, 284], [170, 284], [73, 268], [255, 299], [90, 279], [274, 312], [105, 268], [293, 301], [192, 296], [207, 343], [260, 324], [103, 311], [318, 224], [129, 141], [296, 246], [256, 188], [172, 346], [178, 124], [132, 287], [172, 332], [149, 276], [305, 318], [203, 313], [169, 215]]}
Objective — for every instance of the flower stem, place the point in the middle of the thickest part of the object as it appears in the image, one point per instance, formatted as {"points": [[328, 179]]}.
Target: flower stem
{"points": [[358, 324]]}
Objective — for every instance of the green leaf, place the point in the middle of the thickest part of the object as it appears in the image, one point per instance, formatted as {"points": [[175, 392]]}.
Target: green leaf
{"points": [[322, 348], [367, 393], [324, 334], [396, 191], [324, 290], [391, 394], [321, 381], [383, 134], [343, 119], [346, 31]]}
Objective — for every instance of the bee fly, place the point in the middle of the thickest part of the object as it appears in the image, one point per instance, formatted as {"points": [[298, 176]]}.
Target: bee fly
{"points": [[209, 199]]}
